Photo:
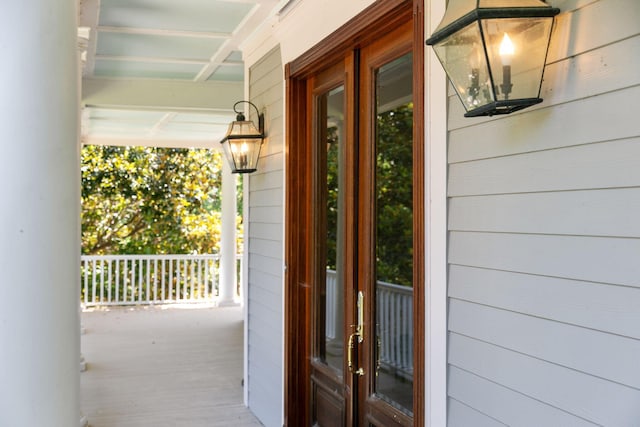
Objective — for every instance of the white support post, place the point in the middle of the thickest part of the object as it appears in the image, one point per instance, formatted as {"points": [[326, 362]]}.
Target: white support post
{"points": [[227, 284], [40, 215], [436, 231]]}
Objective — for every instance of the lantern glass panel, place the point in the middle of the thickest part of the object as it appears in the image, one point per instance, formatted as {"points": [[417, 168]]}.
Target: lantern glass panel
{"points": [[457, 9], [462, 56], [244, 127], [517, 49], [245, 153], [226, 149]]}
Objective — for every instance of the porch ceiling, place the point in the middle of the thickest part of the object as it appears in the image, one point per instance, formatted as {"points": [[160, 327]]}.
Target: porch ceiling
{"points": [[164, 72]]}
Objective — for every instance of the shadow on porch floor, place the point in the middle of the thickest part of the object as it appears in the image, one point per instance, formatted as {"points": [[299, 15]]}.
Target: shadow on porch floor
{"points": [[163, 367]]}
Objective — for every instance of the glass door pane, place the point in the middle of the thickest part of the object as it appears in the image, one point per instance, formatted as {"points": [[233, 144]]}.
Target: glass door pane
{"points": [[331, 310], [394, 233]]}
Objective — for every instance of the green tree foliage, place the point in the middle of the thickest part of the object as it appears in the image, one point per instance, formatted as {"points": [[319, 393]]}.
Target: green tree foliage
{"points": [[394, 182], [394, 202], [333, 186], [141, 200]]}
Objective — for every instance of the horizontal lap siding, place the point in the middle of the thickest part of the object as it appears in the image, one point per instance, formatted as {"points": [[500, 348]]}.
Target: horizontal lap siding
{"points": [[544, 238], [264, 240], [488, 398], [460, 415]]}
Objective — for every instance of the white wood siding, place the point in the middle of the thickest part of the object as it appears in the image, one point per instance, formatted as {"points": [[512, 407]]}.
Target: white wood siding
{"points": [[544, 238], [265, 248]]}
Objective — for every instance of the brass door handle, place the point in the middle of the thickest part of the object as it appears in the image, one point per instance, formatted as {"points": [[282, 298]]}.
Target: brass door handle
{"points": [[359, 371], [359, 333]]}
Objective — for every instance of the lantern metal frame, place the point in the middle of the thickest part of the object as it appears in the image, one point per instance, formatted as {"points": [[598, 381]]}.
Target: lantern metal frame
{"points": [[239, 160], [478, 15]]}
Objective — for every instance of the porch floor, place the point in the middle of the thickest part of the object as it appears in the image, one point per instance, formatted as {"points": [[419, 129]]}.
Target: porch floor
{"points": [[164, 367]]}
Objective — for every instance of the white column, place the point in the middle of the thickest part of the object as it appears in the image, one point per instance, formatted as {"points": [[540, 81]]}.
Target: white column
{"points": [[227, 285], [39, 215], [436, 262]]}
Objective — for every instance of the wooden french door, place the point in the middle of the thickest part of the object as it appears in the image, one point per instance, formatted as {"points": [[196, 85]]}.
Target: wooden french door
{"points": [[354, 275]]}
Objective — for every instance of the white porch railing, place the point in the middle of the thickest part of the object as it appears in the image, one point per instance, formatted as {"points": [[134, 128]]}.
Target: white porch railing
{"points": [[149, 279], [395, 327], [394, 323], [331, 298]]}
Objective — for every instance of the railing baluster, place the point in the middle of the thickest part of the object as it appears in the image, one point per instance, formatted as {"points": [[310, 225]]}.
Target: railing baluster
{"points": [[124, 281], [117, 284], [109, 281], [215, 278], [410, 323], [393, 328], [172, 282], [196, 279], [139, 263], [86, 282], [162, 280], [132, 279], [101, 280], [206, 278], [184, 271], [183, 279], [402, 313], [94, 286], [387, 344], [177, 279], [199, 279], [133, 285], [147, 263], [155, 280], [384, 325], [186, 280], [397, 321], [192, 278]]}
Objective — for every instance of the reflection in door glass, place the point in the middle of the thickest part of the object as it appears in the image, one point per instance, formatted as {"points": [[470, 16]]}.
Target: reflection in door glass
{"points": [[394, 233], [331, 128]]}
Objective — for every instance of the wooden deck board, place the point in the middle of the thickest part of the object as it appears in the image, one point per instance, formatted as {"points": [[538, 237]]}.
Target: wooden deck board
{"points": [[164, 367]]}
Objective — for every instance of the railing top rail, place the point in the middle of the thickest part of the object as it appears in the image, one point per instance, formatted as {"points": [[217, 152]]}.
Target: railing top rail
{"points": [[389, 286], [151, 257], [396, 288]]}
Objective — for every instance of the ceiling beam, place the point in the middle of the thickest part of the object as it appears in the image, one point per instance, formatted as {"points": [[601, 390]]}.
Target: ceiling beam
{"points": [[163, 32], [165, 95], [151, 142], [252, 20], [151, 59]]}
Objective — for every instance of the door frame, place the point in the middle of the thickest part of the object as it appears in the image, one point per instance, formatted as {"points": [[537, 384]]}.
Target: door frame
{"points": [[370, 24]]}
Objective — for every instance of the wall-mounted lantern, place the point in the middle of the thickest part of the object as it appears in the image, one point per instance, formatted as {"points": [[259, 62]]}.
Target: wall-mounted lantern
{"points": [[494, 52], [242, 143]]}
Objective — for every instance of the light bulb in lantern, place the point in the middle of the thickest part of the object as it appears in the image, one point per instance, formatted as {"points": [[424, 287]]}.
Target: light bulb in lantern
{"points": [[507, 49], [242, 157]]}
